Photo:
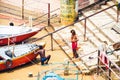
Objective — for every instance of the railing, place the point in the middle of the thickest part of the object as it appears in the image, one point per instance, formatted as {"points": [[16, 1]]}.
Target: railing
{"points": [[14, 11], [17, 12], [66, 70], [110, 63], [108, 66], [51, 33]]}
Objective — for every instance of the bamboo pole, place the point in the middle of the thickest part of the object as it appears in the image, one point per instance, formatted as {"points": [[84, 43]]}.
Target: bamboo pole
{"points": [[22, 9]]}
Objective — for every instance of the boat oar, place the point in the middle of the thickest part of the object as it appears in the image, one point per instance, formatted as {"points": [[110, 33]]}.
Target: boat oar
{"points": [[31, 61]]}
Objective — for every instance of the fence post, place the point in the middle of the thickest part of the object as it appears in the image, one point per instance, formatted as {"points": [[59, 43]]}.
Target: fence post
{"points": [[51, 41], [48, 14], [109, 71], [98, 62], [22, 9]]}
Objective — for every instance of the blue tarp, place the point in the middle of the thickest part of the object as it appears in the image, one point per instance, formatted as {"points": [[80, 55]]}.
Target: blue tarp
{"points": [[52, 76]]}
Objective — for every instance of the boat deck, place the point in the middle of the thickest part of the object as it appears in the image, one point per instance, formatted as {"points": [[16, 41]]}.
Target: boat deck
{"points": [[8, 31], [6, 52]]}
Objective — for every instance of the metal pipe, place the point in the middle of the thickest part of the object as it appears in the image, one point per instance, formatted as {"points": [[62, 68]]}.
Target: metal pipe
{"points": [[98, 62], [109, 71]]}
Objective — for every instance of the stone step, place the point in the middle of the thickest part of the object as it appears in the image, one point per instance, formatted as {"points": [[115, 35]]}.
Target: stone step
{"points": [[112, 34], [81, 29], [96, 31], [88, 63], [106, 26], [90, 36], [111, 13], [83, 68]]}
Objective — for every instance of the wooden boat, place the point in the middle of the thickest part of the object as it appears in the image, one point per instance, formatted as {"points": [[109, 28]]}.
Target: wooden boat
{"points": [[16, 34], [16, 55]]}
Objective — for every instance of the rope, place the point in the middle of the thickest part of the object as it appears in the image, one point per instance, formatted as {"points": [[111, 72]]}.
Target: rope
{"points": [[31, 60]]}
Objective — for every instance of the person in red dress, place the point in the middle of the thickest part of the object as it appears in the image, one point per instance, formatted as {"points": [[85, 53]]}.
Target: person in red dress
{"points": [[74, 41]]}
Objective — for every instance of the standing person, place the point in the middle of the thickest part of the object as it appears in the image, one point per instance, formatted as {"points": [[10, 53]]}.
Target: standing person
{"points": [[74, 40], [103, 53], [104, 46], [43, 58]]}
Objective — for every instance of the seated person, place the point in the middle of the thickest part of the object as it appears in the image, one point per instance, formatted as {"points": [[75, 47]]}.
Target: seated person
{"points": [[43, 58]]}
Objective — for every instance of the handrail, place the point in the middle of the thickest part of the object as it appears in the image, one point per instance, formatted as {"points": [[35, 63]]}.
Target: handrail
{"points": [[42, 21], [81, 19], [27, 13], [84, 18], [65, 53], [73, 23], [15, 10], [108, 66], [41, 17], [77, 22], [46, 14]]}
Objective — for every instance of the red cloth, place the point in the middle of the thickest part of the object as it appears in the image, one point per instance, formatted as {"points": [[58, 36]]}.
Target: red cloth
{"points": [[74, 45], [104, 59]]}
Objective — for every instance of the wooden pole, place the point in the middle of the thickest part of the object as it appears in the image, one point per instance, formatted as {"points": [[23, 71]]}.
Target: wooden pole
{"points": [[13, 51], [98, 63], [22, 9], [51, 41], [85, 30], [48, 14], [109, 71]]}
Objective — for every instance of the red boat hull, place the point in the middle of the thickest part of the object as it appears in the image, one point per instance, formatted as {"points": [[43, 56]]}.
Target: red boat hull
{"points": [[16, 39], [18, 61]]}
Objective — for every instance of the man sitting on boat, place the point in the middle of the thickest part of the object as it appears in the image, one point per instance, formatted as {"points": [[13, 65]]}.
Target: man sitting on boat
{"points": [[44, 59]]}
